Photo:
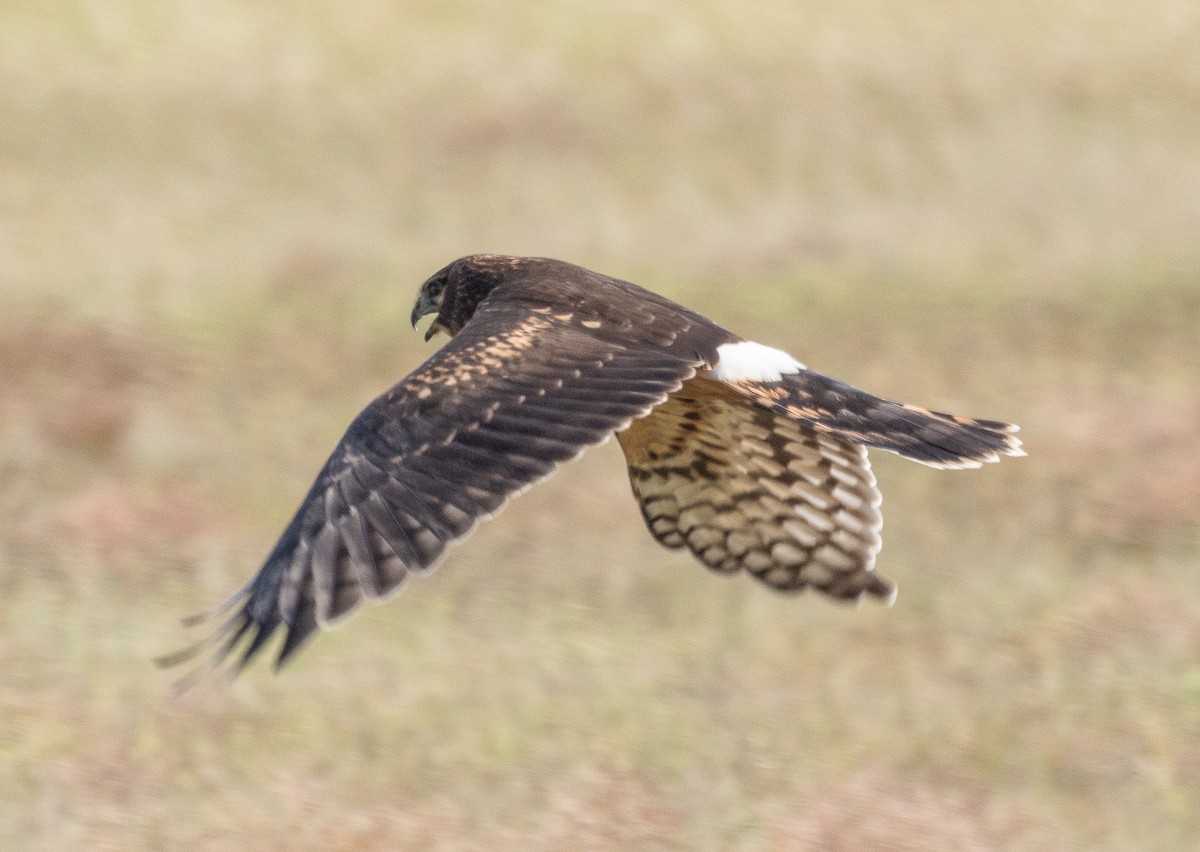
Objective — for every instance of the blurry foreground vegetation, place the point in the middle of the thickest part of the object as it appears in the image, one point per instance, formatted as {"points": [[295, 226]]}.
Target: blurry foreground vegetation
{"points": [[213, 219]]}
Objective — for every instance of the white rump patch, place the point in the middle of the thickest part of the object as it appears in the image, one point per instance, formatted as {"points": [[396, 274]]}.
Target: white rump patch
{"points": [[753, 362]]}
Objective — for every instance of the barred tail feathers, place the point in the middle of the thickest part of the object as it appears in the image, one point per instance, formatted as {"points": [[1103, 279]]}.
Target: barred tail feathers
{"points": [[774, 379]]}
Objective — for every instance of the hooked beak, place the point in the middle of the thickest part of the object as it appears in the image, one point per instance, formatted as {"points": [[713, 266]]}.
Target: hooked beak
{"points": [[425, 306]]}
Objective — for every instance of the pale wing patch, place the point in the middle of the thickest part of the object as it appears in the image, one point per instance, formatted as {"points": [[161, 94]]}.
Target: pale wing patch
{"points": [[753, 362], [744, 488]]}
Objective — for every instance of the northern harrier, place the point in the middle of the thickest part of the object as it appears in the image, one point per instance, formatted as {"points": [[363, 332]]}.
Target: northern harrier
{"points": [[736, 451]]}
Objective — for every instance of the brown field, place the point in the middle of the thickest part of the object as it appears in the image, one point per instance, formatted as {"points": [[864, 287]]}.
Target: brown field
{"points": [[213, 221]]}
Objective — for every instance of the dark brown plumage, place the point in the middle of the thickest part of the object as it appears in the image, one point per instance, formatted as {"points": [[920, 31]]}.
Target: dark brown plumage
{"points": [[736, 451]]}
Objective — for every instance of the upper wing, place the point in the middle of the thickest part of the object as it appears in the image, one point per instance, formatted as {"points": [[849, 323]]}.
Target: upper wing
{"points": [[518, 390]]}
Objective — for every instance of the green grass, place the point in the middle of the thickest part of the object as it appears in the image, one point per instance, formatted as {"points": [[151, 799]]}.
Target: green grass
{"points": [[213, 222]]}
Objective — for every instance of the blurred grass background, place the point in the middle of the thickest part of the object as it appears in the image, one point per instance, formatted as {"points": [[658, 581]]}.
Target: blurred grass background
{"points": [[213, 221]]}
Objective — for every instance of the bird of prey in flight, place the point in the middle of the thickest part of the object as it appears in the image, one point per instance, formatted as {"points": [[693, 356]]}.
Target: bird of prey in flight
{"points": [[736, 451]]}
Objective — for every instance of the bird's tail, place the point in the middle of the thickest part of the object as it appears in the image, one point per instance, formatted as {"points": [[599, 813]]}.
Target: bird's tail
{"points": [[929, 437]]}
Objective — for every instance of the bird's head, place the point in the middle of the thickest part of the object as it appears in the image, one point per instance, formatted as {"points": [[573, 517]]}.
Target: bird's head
{"points": [[455, 291]]}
